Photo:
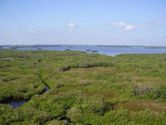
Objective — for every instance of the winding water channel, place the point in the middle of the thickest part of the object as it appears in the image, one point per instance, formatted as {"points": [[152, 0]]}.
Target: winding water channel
{"points": [[17, 103]]}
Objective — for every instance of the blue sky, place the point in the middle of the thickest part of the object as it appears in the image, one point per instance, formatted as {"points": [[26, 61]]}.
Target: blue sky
{"points": [[108, 22]]}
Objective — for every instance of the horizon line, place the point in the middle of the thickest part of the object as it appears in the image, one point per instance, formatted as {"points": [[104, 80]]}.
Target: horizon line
{"points": [[82, 45]]}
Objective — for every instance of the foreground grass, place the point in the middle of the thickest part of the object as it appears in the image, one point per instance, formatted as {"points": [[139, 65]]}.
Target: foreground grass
{"points": [[85, 89]]}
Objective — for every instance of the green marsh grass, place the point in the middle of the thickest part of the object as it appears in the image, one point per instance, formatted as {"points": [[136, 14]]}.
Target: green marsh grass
{"points": [[84, 89]]}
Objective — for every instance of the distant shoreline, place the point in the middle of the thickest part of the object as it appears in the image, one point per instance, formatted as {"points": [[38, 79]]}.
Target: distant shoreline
{"points": [[110, 50], [58, 45]]}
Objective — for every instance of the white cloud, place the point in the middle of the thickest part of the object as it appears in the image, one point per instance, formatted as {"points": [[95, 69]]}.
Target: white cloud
{"points": [[129, 27], [71, 26], [123, 25]]}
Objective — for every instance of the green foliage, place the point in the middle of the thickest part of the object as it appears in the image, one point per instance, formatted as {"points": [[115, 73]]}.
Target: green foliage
{"points": [[84, 89]]}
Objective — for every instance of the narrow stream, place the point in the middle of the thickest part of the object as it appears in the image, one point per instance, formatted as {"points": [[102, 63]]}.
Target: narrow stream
{"points": [[17, 103]]}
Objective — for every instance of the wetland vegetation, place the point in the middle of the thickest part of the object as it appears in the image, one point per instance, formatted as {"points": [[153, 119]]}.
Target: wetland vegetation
{"points": [[78, 88]]}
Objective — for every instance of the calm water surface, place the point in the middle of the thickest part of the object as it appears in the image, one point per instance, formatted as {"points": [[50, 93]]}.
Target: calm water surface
{"points": [[17, 103], [108, 50]]}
